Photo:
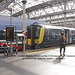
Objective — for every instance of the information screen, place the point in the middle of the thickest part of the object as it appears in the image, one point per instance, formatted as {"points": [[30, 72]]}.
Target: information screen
{"points": [[10, 33]]}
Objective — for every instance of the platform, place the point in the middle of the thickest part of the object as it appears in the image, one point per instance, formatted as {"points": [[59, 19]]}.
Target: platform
{"points": [[45, 62]]}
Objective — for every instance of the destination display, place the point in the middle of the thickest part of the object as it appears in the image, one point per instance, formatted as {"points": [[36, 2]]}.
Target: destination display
{"points": [[9, 33]]}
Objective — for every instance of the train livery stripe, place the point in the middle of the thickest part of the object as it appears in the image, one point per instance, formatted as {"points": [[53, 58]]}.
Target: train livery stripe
{"points": [[41, 35]]}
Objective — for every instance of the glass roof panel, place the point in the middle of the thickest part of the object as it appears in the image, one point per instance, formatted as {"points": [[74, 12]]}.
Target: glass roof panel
{"points": [[18, 6]]}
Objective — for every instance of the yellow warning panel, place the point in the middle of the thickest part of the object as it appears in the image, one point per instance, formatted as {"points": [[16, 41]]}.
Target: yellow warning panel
{"points": [[29, 41]]}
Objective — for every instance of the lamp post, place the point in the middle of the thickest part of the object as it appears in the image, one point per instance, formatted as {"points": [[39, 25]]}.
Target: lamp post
{"points": [[23, 26], [10, 9]]}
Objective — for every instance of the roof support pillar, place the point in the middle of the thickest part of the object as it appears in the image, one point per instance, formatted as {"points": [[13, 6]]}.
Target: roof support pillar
{"points": [[23, 26], [64, 14]]}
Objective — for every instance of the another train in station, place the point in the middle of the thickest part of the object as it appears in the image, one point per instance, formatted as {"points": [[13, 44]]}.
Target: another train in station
{"points": [[2, 34], [40, 36]]}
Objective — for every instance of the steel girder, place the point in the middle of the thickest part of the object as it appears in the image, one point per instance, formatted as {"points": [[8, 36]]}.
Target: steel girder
{"points": [[59, 19], [55, 13], [43, 5], [5, 3], [1, 1]]}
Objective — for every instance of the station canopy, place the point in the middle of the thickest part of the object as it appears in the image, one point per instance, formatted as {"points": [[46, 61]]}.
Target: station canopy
{"points": [[17, 5], [55, 12]]}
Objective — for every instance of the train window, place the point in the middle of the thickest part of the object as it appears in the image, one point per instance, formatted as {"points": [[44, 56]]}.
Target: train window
{"points": [[2, 35], [52, 33], [37, 33], [73, 32]]}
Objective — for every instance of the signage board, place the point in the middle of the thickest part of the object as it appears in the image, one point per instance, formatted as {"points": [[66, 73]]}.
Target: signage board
{"points": [[10, 33]]}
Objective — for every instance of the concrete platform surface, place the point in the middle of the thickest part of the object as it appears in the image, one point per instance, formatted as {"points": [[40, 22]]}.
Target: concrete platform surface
{"points": [[39, 63]]}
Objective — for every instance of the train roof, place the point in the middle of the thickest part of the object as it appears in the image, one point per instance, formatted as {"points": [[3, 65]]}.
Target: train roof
{"points": [[56, 27]]}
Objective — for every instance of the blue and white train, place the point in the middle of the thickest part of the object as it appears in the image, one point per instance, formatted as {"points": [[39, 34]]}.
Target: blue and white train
{"points": [[39, 36]]}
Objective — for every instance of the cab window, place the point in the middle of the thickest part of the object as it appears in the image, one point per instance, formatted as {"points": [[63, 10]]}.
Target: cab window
{"points": [[37, 33]]}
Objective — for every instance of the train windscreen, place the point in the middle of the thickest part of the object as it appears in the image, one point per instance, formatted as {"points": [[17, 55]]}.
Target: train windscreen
{"points": [[37, 34]]}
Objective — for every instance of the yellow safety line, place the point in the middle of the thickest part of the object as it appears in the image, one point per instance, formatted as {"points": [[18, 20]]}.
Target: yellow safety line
{"points": [[40, 51]]}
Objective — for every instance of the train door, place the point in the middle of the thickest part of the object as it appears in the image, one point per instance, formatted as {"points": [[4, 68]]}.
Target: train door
{"points": [[31, 36], [70, 36], [67, 35], [28, 35]]}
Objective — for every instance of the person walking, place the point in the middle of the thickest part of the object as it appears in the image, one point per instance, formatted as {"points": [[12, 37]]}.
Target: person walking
{"points": [[62, 44]]}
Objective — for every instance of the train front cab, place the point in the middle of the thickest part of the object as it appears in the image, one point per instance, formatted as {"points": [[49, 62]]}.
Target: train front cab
{"points": [[35, 34]]}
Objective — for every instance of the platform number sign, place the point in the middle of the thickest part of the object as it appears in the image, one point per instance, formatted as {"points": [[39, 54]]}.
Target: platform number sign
{"points": [[10, 33]]}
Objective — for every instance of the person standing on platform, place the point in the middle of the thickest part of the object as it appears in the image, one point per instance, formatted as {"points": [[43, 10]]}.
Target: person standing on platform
{"points": [[62, 44]]}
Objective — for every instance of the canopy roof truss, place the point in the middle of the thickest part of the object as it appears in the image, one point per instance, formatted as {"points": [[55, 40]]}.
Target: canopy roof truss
{"points": [[55, 12]]}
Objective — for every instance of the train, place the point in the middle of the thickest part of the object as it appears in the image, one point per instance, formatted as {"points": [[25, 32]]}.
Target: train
{"points": [[40, 36], [2, 34]]}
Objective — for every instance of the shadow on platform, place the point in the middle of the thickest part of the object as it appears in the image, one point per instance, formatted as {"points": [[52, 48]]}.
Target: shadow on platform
{"points": [[57, 60]]}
